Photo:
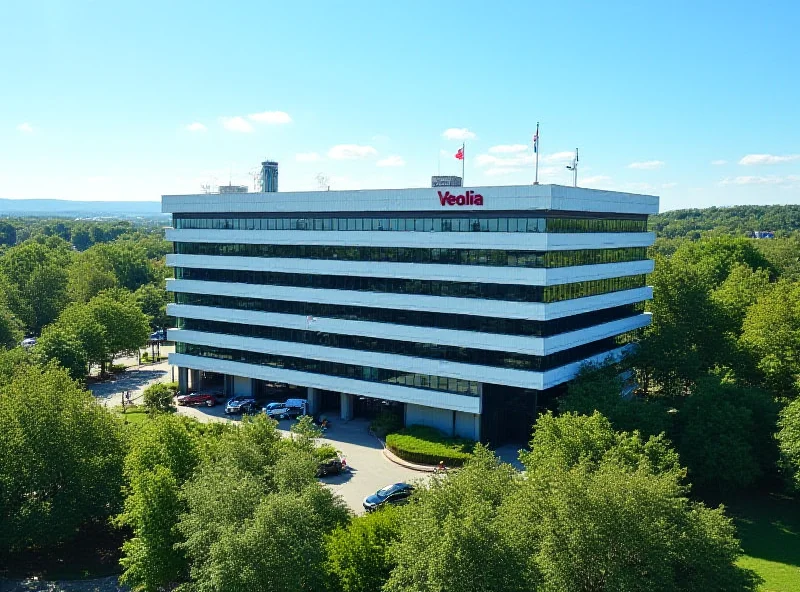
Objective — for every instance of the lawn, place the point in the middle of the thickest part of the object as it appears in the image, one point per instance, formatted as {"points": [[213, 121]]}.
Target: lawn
{"points": [[135, 415], [769, 528]]}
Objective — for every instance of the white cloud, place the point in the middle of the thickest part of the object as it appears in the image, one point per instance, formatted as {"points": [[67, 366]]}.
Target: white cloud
{"points": [[270, 117], [757, 180], [196, 127], [640, 187], [25, 127], [668, 185], [647, 165], [504, 162], [493, 172], [752, 159], [236, 124], [508, 149], [458, 133], [719, 162], [351, 152], [307, 157], [391, 161], [594, 180], [559, 157]]}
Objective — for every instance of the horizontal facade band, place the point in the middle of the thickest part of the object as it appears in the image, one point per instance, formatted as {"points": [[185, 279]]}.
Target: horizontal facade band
{"points": [[540, 346], [474, 257], [422, 271], [378, 390], [505, 197], [444, 368], [471, 306], [441, 240], [416, 318]]}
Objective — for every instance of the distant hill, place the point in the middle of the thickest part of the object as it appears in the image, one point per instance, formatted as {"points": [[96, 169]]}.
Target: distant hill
{"points": [[735, 220], [79, 209]]}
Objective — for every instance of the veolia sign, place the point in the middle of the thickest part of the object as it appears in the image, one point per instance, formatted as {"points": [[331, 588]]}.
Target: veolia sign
{"points": [[470, 198]]}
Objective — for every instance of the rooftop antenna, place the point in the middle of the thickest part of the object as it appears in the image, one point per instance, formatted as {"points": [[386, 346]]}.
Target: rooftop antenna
{"points": [[323, 182], [255, 174], [574, 168]]}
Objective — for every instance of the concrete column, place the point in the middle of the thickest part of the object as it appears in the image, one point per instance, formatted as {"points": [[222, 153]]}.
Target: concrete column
{"points": [[313, 398], [194, 380], [183, 380], [253, 386], [228, 385], [347, 406]]}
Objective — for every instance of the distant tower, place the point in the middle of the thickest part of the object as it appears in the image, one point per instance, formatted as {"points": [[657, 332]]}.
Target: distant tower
{"points": [[269, 176]]}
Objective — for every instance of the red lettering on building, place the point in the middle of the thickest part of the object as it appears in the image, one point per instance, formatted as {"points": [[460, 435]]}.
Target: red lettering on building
{"points": [[470, 198]]}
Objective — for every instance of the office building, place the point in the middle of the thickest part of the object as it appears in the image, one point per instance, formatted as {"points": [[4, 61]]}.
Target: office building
{"points": [[464, 310]]}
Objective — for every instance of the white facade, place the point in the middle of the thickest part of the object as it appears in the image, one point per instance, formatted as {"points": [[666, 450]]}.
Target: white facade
{"points": [[437, 335]]}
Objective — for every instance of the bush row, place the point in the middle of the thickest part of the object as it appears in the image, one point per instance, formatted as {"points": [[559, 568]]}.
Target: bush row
{"points": [[425, 445]]}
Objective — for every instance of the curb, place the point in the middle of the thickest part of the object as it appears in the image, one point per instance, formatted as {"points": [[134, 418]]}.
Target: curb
{"points": [[404, 463]]}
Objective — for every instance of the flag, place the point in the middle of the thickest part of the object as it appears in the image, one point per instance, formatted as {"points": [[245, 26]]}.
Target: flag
{"points": [[460, 153], [536, 141]]}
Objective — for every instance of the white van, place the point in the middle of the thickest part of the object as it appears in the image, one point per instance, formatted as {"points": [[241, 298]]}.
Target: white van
{"points": [[291, 408]]}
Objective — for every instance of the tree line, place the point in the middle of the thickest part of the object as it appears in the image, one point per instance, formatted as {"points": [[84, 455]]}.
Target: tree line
{"points": [[84, 307]]}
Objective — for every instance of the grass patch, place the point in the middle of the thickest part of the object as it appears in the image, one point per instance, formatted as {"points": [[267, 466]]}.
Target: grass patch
{"points": [[428, 446], [132, 415], [769, 528]]}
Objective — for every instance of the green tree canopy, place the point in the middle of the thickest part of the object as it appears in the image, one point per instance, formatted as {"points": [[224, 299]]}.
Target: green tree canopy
{"points": [[771, 333], [62, 459], [61, 345], [789, 440]]}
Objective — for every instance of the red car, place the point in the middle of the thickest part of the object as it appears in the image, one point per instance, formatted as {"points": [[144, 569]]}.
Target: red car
{"points": [[197, 399]]}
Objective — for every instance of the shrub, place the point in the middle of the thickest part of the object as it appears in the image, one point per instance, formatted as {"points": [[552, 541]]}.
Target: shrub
{"points": [[386, 423], [325, 451], [426, 445], [117, 368], [173, 386], [159, 397]]}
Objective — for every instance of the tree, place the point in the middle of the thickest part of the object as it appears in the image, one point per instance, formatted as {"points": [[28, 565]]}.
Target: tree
{"points": [[152, 301], [358, 558], [741, 289], [600, 389], [79, 320], [450, 537], [726, 435], [10, 327], [36, 281], [771, 333], [604, 510], [125, 326], [247, 513], [159, 398], [127, 259], [61, 465], [8, 234], [62, 346], [685, 338], [162, 457], [88, 276], [789, 441]]}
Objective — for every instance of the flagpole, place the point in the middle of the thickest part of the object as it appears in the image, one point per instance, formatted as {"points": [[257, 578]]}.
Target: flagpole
{"points": [[463, 158], [536, 151]]}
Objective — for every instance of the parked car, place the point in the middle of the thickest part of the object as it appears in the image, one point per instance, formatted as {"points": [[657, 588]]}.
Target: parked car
{"points": [[276, 410], [296, 407], [242, 404], [206, 399], [160, 335], [28, 342], [332, 466], [391, 494]]}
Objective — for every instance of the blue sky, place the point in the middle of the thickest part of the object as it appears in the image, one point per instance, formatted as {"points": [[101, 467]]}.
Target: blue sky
{"points": [[694, 101]]}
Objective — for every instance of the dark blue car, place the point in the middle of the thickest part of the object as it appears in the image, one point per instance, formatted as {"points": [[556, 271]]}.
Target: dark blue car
{"points": [[391, 494]]}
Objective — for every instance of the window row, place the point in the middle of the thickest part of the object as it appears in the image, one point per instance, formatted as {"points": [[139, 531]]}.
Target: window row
{"points": [[416, 224], [512, 292], [489, 257], [416, 318], [411, 379], [464, 355]]}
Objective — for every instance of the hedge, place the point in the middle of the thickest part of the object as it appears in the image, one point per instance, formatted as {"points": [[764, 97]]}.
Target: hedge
{"points": [[428, 446]]}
